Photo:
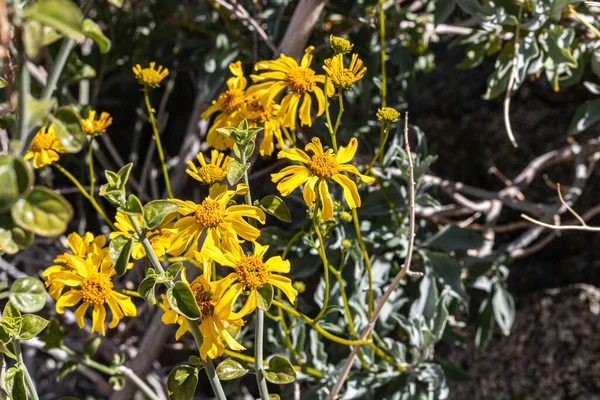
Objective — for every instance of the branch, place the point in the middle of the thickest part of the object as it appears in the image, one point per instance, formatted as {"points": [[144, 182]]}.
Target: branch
{"points": [[303, 21], [511, 82]]}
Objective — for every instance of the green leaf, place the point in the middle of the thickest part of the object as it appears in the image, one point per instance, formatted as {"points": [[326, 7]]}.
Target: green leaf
{"points": [[33, 37], [15, 383], [235, 171], [454, 373], [454, 238], [120, 252], [116, 3], [485, 324], [62, 15], [273, 205], [156, 211], [133, 207], [475, 53], [265, 296], [146, 289], [181, 382], [16, 178], [230, 369], [69, 132], [586, 115], [38, 110], [90, 346], [195, 360], [173, 270], [280, 371], [43, 212], [53, 336], [504, 308], [11, 313], [498, 80], [448, 271], [65, 369], [31, 326], [28, 294], [93, 31], [185, 300]]}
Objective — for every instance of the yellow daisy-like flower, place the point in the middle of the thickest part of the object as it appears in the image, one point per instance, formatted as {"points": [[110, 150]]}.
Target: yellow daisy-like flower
{"points": [[215, 219], [300, 80], [342, 77], [251, 273], [318, 170], [266, 116], [214, 329], [228, 105], [90, 282], [387, 114], [87, 247], [93, 127], [159, 238], [209, 173], [150, 76], [45, 148]]}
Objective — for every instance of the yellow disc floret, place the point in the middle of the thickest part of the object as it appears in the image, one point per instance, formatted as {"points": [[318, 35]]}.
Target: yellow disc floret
{"points": [[301, 79], [150, 76], [209, 213], [324, 165], [96, 288], [252, 271]]}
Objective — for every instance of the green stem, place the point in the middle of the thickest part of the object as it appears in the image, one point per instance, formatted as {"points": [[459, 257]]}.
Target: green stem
{"points": [[382, 41], [291, 242], [85, 194], [57, 67], [24, 93], [385, 132], [367, 259], [328, 116], [339, 117], [260, 314], [28, 381], [307, 370], [193, 325], [159, 148], [137, 381], [91, 162], [324, 260]]}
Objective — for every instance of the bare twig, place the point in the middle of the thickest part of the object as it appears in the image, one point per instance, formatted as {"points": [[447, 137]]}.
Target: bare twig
{"points": [[511, 82], [405, 270]]}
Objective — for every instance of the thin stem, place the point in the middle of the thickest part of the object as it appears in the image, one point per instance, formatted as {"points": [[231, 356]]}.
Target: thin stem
{"points": [[584, 21], [291, 242], [307, 370], [85, 194], [511, 82], [382, 42], [260, 314], [385, 132], [91, 162], [89, 362], [24, 93], [328, 114], [159, 148], [28, 381], [286, 332], [367, 259], [339, 117], [193, 325], [137, 381], [324, 260], [57, 67]]}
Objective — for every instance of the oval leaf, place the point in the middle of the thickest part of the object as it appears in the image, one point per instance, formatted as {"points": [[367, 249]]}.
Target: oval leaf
{"points": [[265, 296], [586, 115], [132, 207], [146, 289], [67, 125], [120, 252], [280, 371], [31, 326], [504, 308], [43, 212], [62, 15], [230, 369], [93, 31], [185, 300], [181, 382], [28, 294], [156, 211], [16, 178], [15, 383], [274, 206]]}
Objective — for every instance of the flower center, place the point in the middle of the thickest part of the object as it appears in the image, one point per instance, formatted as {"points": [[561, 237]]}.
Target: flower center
{"points": [[231, 100], [211, 173], [301, 79], [253, 105], [345, 78], [96, 289], [203, 299], [209, 213], [324, 165], [252, 271]]}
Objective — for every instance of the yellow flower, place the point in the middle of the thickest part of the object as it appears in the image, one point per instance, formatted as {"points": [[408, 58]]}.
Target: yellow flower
{"points": [[215, 219], [257, 114], [344, 78], [214, 329], [340, 45], [94, 127], [387, 114], [213, 172], [150, 76], [228, 105], [45, 148], [300, 80], [159, 238], [90, 282], [318, 170], [86, 247], [251, 273]]}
